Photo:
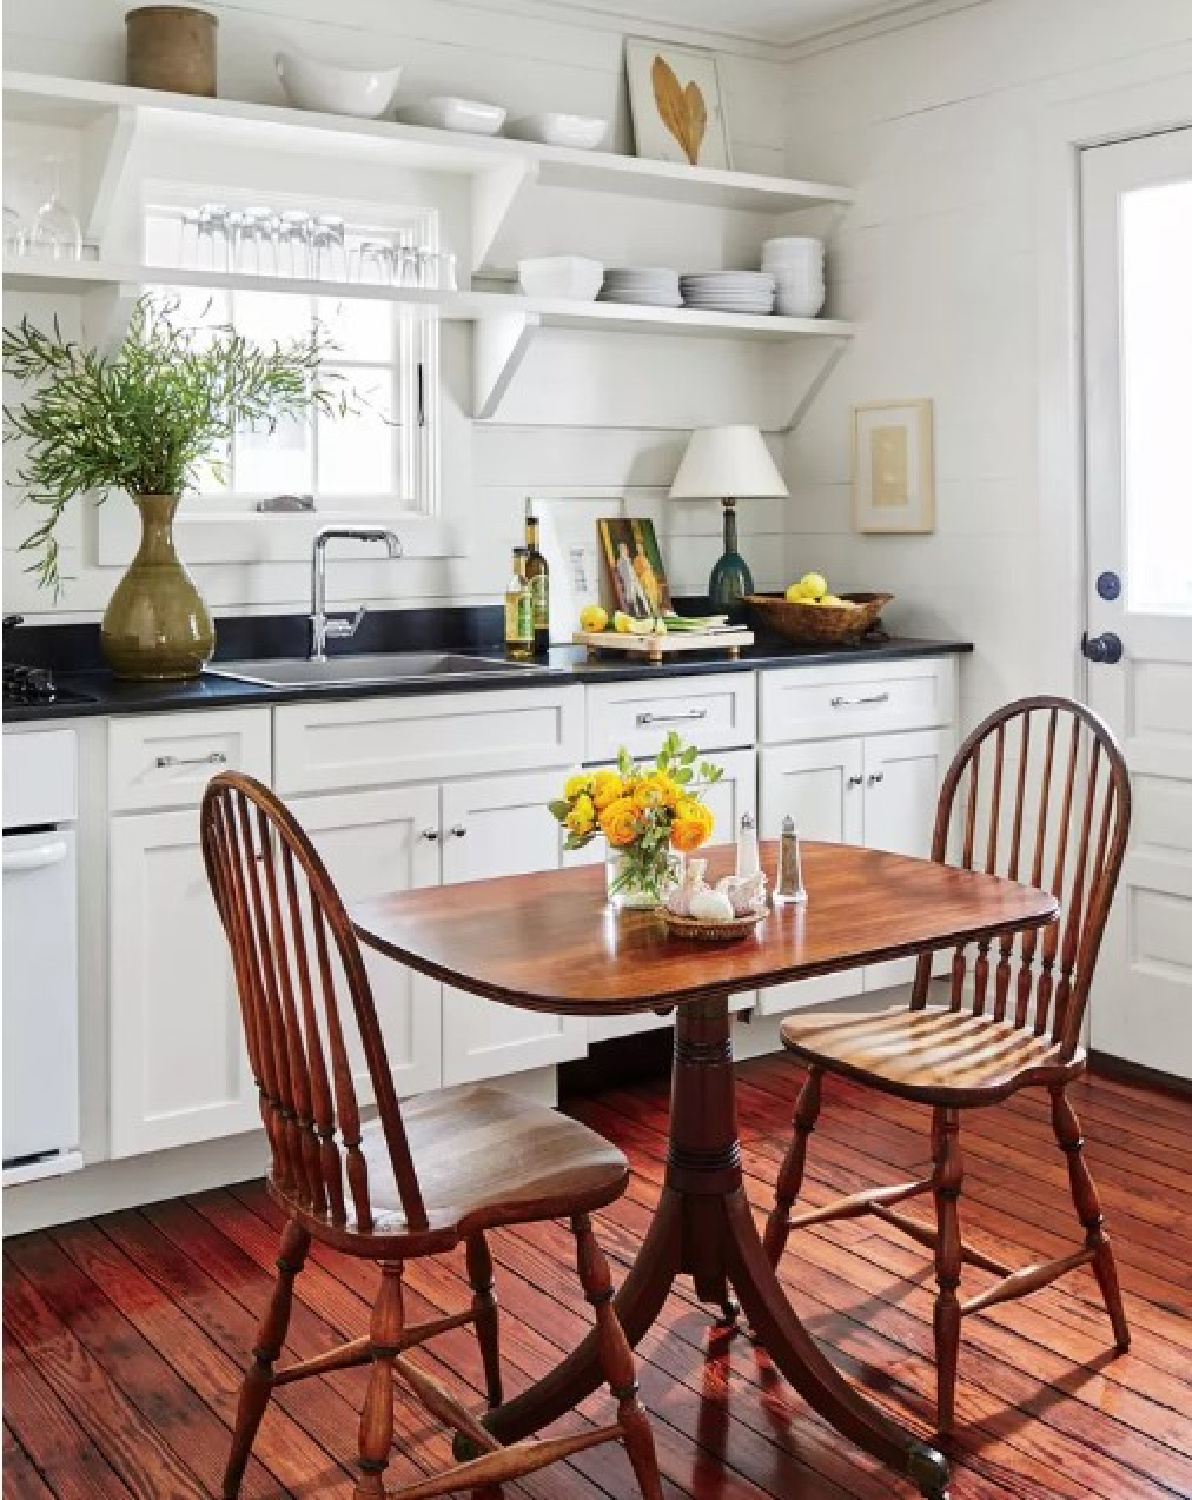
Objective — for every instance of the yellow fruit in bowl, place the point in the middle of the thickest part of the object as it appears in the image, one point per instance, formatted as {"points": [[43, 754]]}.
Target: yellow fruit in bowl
{"points": [[815, 584], [593, 617], [797, 593], [833, 599]]}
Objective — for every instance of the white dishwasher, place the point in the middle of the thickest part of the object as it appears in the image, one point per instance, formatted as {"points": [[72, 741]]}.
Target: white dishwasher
{"points": [[41, 989]]}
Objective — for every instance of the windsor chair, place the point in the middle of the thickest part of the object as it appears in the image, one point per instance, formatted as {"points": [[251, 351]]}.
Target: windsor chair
{"points": [[420, 1180], [1013, 1016]]}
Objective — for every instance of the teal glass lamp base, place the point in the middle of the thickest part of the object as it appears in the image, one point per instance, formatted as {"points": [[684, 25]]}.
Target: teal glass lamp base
{"points": [[730, 581]]}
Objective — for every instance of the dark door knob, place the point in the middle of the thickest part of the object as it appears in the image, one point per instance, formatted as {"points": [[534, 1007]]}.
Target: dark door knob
{"points": [[1105, 648]]}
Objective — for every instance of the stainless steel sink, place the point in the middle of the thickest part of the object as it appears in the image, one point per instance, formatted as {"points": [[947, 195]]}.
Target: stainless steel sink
{"points": [[347, 671]]}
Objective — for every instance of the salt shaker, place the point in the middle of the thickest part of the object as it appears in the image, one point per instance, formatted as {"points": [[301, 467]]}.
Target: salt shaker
{"points": [[747, 855], [788, 883]]}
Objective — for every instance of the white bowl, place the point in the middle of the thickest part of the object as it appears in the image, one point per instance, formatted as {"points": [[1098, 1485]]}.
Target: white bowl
{"points": [[580, 132], [799, 302], [309, 84], [446, 112], [561, 276]]}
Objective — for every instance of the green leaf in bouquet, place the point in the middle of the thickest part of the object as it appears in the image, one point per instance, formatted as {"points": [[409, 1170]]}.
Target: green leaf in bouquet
{"points": [[560, 808]]}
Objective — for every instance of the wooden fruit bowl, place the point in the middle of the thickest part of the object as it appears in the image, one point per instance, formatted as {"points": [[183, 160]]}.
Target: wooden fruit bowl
{"points": [[711, 932], [805, 624]]}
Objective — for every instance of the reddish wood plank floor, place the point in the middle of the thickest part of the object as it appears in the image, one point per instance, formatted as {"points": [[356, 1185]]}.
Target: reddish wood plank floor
{"points": [[124, 1336]]}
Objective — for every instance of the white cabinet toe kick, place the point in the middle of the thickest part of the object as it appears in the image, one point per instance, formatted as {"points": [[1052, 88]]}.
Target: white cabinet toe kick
{"points": [[416, 791]]}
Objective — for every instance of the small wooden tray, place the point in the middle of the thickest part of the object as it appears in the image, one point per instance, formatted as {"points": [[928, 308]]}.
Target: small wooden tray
{"points": [[712, 932], [656, 648]]}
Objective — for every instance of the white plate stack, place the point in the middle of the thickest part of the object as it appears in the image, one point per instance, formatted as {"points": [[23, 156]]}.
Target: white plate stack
{"points": [[729, 291], [646, 286], [796, 263]]}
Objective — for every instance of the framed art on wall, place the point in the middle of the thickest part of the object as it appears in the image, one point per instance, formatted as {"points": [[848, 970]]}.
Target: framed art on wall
{"points": [[676, 103], [893, 467]]}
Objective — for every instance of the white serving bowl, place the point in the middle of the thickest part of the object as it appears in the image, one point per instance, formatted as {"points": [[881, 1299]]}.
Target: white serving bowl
{"points": [[570, 276], [580, 132], [446, 112], [309, 84]]}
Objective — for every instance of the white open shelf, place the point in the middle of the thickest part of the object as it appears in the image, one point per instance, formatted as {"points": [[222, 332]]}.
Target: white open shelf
{"points": [[110, 117]]}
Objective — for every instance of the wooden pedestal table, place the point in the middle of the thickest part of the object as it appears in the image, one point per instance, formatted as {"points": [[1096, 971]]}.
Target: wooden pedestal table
{"points": [[549, 943]]}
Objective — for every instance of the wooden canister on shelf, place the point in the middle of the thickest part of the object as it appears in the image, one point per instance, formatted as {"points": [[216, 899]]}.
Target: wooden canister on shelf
{"points": [[172, 47]]}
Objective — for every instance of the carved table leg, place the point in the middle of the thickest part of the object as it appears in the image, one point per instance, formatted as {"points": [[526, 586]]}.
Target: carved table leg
{"points": [[704, 1229]]}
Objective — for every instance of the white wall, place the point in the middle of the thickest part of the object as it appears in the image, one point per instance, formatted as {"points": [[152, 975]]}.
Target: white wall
{"points": [[618, 409], [950, 264]]}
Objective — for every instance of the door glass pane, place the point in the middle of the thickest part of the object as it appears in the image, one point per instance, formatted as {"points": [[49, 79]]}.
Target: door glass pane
{"points": [[1156, 381]]}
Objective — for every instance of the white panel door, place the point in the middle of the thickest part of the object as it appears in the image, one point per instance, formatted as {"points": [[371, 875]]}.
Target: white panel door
{"points": [[373, 842], [178, 1067], [902, 782], [495, 827], [729, 799], [821, 786], [1137, 237]]}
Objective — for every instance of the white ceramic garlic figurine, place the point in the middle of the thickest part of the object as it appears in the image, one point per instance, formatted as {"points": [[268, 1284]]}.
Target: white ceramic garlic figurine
{"points": [[711, 906], [679, 900], [746, 892]]}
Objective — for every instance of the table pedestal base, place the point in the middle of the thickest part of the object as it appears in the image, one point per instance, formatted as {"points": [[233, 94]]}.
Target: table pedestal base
{"points": [[704, 1229]]}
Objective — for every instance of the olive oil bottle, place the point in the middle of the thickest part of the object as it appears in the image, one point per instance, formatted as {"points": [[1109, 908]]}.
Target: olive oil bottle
{"points": [[519, 610], [538, 575]]}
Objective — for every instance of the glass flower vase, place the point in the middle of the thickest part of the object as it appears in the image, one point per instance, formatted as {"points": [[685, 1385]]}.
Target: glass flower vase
{"points": [[637, 882]]}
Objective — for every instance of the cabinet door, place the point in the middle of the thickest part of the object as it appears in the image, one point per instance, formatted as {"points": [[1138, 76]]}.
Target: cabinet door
{"points": [[373, 842], [820, 786], [494, 827], [902, 782], [179, 1071], [729, 799]]}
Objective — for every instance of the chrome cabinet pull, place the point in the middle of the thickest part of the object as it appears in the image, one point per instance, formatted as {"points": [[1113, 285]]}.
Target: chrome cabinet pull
{"points": [[216, 758], [431, 835], [877, 778], [458, 831], [682, 716], [855, 780], [841, 702]]}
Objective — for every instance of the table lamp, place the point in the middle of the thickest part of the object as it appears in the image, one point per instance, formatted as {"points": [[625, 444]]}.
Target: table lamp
{"points": [[724, 463]]}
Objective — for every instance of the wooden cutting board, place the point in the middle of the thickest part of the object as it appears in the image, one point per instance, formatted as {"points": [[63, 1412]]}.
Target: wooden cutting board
{"points": [[656, 648]]}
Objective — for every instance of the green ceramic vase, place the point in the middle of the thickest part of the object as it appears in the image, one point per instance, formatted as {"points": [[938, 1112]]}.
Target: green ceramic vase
{"points": [[156, 627]]}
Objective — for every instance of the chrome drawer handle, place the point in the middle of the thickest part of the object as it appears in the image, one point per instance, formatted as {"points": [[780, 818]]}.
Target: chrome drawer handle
{"points": [[855, 780], [839, 702], [877, 778], [431, 835], [458, 832], [683, 716], [216, 758]]}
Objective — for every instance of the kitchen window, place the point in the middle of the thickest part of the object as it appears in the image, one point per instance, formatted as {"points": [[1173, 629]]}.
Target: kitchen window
{"points": [[379, 461]]}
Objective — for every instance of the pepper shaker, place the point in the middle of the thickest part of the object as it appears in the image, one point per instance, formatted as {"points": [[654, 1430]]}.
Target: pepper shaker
{"points": [[788, 883]]}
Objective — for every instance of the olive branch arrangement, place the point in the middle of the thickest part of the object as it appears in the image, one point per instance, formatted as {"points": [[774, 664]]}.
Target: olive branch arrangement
{"points": [[148, 417]]}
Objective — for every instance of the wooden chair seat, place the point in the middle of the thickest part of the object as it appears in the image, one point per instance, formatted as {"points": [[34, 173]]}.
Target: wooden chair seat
{"points": [[937, 1056], [484, 1158]]}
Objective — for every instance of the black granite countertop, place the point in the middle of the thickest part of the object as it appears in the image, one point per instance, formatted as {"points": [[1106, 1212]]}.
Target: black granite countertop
{"points": [[97, 692]]}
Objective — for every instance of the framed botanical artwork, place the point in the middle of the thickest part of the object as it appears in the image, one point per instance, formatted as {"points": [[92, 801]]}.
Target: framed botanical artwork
{"points": [[893, 467], [635, 570], [676, 103]]}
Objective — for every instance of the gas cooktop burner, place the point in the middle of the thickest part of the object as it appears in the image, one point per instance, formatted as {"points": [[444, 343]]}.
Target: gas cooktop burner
{"points": [[35, 685]]}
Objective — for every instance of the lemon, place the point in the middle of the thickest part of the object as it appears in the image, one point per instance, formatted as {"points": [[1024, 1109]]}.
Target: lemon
{"points": [[833, 599], [815, 584], [593, 617], [797, 593]]}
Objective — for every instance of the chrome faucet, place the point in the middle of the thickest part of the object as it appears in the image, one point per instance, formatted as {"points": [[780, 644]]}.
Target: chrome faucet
{"points": [[324, 627]]}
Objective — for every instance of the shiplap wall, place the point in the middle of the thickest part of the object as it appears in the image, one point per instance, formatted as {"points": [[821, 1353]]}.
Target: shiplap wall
{"points": [[942, 129], [587, 392]]}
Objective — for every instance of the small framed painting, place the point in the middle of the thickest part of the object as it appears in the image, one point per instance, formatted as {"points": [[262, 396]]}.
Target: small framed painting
{"points": [[893, 467], [676, 103], [635, 570]]}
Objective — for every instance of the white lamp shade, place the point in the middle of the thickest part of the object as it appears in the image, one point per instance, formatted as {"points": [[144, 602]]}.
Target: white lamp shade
{"points": [[723, 462]]}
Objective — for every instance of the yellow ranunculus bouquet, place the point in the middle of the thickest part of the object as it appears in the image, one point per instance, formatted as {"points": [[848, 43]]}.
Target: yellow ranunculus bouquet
{"points": [[649, 814]]}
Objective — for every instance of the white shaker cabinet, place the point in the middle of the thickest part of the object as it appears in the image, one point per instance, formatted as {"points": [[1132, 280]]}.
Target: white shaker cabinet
{"points": [[492, 827], [373, 842]]}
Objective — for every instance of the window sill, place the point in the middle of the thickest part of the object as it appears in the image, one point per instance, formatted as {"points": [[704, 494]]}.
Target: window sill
{"points": [[211, 537]]}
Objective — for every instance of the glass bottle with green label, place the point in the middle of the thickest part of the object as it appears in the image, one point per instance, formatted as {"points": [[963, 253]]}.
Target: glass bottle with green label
{"points": [[538, 575], [519, 610]]}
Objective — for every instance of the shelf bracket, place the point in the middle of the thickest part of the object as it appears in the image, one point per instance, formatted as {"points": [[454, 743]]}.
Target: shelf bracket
{"points": [[827, 361], [107, 146], [494, 194], [499, 345], [106, 314]]}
